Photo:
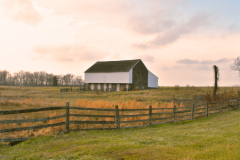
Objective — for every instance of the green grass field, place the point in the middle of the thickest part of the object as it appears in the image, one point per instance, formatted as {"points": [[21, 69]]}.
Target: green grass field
{"points": [[214, 137]]}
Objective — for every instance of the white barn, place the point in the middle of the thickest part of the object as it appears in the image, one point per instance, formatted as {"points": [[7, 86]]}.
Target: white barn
{"points": [[120, 75]]}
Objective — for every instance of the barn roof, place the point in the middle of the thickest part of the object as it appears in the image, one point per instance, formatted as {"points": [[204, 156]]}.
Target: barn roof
{"points": [[112, 66]]}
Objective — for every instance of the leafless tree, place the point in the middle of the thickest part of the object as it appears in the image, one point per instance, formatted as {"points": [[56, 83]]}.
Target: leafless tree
{"points": [[35, 77], [42, 77], [236, 65], [60, 79], [3, 76], [67, 78], [79, 80], [26, 78], [49, 79]]}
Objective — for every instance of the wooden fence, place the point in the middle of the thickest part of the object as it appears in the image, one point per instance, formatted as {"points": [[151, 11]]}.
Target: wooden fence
{"points": [[154, 116]]}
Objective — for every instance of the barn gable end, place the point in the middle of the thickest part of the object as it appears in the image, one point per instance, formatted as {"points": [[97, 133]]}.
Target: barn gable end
{"points": [[140, 76]]}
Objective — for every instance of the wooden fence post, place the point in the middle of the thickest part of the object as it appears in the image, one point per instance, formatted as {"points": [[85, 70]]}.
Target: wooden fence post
{"points": [[207, 109], [218, 103], [174, 110], [237, 104], [67, 117], [117, 117], [193, 112], [150, 115], [228, 105]]}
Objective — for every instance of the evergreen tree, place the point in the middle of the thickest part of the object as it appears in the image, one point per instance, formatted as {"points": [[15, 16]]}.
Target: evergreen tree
{"points": [[55, 81]]}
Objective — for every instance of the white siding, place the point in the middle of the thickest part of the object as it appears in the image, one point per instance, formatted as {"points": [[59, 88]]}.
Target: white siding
{"points": [[152, 80], [116, 77]]}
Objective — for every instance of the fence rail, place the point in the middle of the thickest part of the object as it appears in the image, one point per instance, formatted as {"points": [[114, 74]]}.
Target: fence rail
{"points": [[118, 116]]}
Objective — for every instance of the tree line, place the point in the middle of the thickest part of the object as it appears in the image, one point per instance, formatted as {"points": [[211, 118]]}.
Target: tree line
{"points": [[41, 78]]}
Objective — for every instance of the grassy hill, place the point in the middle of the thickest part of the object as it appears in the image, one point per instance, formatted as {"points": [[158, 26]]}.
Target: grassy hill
{"points": [[214, 137]]}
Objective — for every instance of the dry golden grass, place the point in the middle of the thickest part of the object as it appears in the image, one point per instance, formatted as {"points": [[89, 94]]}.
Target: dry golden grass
{"points": [[29, 103], [26, 98]]}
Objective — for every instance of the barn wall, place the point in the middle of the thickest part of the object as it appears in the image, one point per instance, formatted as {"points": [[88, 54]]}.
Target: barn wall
{"points": [[152, 80], [117, 77], [140, 76]]}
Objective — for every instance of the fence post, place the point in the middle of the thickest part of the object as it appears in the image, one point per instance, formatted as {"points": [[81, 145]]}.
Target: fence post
{"points": [[193, 112], [174, 110], [150, 115], [237, 103], [117, 117], [228, 105], [207, 109], [218, 103], [67, 117]]}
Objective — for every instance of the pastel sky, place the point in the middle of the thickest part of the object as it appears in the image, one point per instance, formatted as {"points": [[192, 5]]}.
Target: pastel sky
{"points": [[178, 40]]}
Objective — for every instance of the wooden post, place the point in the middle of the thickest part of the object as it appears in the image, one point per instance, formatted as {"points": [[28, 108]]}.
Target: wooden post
{"points": [[117, 117], [150, 115], [71, 89], [218, 103], [207, 109], [228, 105], [174, 110], [67, 117], [193, 112], [237, 104]]}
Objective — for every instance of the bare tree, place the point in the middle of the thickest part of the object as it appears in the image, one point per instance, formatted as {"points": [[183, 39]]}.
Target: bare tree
{"points": [[60, 79], [35, 77], [79, 80], [42, 77], [26, 78], [3, 76], [10, 80], [67, 79], [49, 79], [236, 65]]}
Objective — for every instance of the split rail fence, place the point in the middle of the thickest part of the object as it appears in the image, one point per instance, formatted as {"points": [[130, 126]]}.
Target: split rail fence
{"points": [[141, 117]]}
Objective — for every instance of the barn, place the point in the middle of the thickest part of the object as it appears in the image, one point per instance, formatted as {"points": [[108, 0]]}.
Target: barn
{"points": [[124, 75]]}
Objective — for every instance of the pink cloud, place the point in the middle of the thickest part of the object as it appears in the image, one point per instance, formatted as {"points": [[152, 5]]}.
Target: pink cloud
{"points": [[23, 11], [68, 53]]}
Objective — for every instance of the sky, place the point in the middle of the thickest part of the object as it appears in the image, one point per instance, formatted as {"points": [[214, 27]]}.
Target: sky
{"points": [[178, 40]]}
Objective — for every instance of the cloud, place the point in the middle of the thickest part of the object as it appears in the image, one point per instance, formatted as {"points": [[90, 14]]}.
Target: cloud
{"points": [[189, 61], [68, 53], [147, 58], [173, 34], [234, 27], [23, 11], [151, 17]]}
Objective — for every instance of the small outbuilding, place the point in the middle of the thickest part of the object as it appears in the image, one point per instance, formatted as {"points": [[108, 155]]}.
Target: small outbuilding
{"points": [[122, 75]]}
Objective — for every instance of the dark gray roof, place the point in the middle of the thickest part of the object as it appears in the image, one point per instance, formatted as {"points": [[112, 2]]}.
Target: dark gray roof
{"points": [[112, 66]]}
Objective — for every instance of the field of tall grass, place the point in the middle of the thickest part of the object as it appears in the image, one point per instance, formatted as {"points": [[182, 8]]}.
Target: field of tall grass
{"points": [[15, 98]]}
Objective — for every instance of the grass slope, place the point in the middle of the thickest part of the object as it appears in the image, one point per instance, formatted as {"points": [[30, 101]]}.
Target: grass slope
{"points": [[214, 137]]}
